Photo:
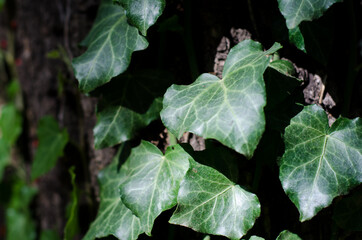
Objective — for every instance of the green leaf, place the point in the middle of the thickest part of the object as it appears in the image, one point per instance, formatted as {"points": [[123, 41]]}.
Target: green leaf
{"points": [[111, 43], [72, 225], [256, 238], [153, 181], [125, 105], [296, 38], [210, 203], [4, 156], [117, 124], [221, 158], [319, 162], [302, 10], [52, 141], [113, 217], [228, 110], [18, 217], [143, 13], [348, 212], [286, 235], [10, 123]]}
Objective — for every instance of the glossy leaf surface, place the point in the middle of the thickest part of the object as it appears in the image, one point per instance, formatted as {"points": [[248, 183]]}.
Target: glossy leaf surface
{"points": [[153, 181], [297, 11], [210, 203], [117, 124], [110, 43], [52, 141], [113, 217], [228, 110], [320, 162], [296, 37], [128, 103], [286, 235], [142, 13]]}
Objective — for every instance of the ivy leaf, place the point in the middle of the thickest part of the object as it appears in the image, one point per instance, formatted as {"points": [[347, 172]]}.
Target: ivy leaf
{"points": [[286, 235], [10, 123], [296, 38], [128, 103], [301, 10], [52, 141], [111, 43], [142, 13], [228, 110], [319, 162], [117, 124], [348, 212], [153, 181], [210, 203], [113, 217]]}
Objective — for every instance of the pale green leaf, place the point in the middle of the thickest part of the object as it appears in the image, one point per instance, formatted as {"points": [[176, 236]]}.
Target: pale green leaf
{"points": [[113, 217], [52, 141], [10, 123], [153, 181], [286, 235], [228, 110], [348, 212], [256, 238], [72, 225], [142, 13], [297, 11], [210, 203], [320, 162], [110, 43]]}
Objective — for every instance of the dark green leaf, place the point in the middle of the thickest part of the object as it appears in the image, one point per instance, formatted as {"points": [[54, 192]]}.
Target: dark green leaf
{"points": [[117, 124], [143, 13], [72, 225], [228, 110], [10, 123], [348, 212], [113, 217], [319, 162], [52, 141], [210, 203], [296, 38], [221, 158], [153, 181], [286, 235], [110, 43], [125, 105], [301, 10]]}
